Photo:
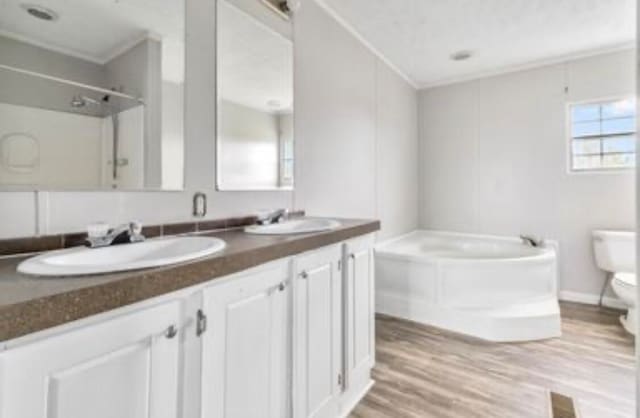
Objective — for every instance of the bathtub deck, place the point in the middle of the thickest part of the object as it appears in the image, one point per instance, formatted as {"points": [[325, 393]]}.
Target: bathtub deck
{"points": [[425, 372]]}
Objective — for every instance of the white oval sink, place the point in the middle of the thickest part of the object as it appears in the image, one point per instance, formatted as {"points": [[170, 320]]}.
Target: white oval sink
{"points": [[294, 226], [154, 252]]}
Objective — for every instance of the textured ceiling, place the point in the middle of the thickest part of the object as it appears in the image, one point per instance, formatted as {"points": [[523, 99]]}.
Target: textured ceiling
{"points": [[418, 36], [97, 30]]}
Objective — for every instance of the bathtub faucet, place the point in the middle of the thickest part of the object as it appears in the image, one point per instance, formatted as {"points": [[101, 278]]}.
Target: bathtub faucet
{"points": [[532, 241]]}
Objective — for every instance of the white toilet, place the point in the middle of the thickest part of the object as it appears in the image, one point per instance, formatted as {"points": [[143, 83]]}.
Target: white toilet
{"points": [[615, 253]]}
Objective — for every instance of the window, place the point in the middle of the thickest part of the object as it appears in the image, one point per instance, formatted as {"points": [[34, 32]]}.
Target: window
{"points": [[286, 164], [285, 123], [603, 135]]}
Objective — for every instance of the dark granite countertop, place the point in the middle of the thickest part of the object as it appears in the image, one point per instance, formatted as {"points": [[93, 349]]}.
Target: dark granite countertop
{"points": [[30, 304]]}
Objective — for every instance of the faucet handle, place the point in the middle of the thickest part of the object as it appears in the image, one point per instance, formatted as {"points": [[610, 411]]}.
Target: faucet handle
{"points": [[262, 216], [282, 215], [135, 231], [135, 227]]}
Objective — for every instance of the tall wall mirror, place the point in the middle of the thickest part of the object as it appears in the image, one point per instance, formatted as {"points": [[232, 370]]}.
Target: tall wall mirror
{"points": [[255, 135], [91, 94]]}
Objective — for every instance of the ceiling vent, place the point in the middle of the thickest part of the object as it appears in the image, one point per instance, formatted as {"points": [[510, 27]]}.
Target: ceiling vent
{"points": [[461, 55], [40, 12]]}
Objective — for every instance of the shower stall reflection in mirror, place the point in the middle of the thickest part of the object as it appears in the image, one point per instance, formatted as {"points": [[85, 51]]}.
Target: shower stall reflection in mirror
{"points": [[83, 112], [95, 141], [116, 170]]}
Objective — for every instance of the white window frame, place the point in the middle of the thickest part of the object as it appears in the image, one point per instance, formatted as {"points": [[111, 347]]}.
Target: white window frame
{"points": [[569, 137]]}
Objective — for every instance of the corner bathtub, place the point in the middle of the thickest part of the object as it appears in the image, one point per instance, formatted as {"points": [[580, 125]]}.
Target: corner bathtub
{"points": [[494, 288]]}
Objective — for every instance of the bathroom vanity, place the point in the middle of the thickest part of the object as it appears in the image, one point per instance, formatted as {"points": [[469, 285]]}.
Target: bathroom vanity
{"points": [[273, 326], [270, 325]]}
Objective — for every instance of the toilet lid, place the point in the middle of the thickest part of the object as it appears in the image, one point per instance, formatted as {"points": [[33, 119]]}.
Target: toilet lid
{"points": [[626, 278]]}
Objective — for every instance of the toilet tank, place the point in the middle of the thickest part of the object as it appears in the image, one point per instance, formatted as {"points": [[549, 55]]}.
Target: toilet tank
{"points": [[615, 251]]}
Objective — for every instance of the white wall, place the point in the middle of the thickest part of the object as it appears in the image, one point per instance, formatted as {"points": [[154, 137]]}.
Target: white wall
{"points": [[494, 160], [396, 154], [172, 135], [339, 105], [248, 147], [355, 128]]}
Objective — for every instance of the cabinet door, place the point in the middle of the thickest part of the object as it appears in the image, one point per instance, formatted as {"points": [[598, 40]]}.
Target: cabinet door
{"points": [[126, 367], [360, 313], [245, 350], [318, 333]]}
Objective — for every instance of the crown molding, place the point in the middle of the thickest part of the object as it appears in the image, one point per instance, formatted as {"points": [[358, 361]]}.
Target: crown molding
{"points": [[54, 48], [363, 41], [530, 65]]}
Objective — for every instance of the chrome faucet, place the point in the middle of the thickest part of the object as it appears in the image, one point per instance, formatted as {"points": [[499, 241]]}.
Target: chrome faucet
{"points": [[123, 234], [532, 241], [273, 217]]}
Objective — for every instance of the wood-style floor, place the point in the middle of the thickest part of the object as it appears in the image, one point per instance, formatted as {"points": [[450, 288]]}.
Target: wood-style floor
{"points": [[425, 372]]}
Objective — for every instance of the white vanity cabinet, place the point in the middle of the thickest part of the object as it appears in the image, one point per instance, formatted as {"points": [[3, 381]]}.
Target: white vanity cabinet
{"points": [[292, 338], [334, 320], [245, 347], [318, 333], [126, 366], [359, 319]]}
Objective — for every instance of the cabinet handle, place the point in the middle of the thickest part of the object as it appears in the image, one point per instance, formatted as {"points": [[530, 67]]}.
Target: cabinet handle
{"points": [[171, 332], [304, 274], [352, 256], [277, 288], [201, 323]]}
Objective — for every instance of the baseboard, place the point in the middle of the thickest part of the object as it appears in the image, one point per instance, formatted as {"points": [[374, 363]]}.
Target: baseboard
{"points": [[352, 403], [590, 299]]}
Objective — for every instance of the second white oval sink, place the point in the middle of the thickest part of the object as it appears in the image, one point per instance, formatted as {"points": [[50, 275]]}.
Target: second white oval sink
{"points": [[154, 252], [294, 226]]}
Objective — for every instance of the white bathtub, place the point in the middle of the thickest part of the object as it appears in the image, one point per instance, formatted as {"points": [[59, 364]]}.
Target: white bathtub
{"points": [[494, 288]]}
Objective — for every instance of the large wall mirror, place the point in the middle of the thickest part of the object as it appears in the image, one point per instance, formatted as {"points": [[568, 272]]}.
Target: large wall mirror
{"points": [[255, 96], [91, 94]]}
